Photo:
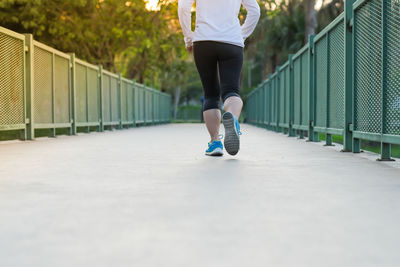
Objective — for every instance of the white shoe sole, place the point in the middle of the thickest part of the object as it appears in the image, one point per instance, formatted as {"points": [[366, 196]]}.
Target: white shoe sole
{"points": [[231, 139], [216, 152]]}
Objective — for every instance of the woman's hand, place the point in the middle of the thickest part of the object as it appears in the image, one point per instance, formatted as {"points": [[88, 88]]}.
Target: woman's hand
{"points": [[189, 49]]}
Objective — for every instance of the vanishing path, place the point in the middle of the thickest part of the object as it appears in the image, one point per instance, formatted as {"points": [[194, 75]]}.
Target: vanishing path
{"points": [[149, 197]]}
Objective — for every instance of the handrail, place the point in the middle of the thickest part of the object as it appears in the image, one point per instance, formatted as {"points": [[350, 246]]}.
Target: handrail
{"points": [[44, 88], [345, 81]]}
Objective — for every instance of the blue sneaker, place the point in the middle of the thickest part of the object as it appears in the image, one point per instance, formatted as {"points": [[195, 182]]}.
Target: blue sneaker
{"points": [[232, 133], [215, 148]]}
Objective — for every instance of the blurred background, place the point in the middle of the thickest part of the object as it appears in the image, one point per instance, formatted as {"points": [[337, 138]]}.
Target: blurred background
{"points": [[142, 39]]}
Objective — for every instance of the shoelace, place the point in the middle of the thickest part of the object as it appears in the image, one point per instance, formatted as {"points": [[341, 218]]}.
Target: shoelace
{"points": [[220, 136]]}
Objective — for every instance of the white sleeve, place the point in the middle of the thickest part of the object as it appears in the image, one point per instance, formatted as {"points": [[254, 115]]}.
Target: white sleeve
{"points": [[253, 15], [185, 19]]}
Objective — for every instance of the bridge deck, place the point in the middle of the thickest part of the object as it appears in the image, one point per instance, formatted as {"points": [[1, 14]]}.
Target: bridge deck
{"points": [[148, 197]]}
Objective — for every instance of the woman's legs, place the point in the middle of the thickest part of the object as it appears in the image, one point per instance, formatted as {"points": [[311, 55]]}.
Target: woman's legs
{"points": [[219, 66], [206, 61], [233, 105], [212, 118], [230, 67]]}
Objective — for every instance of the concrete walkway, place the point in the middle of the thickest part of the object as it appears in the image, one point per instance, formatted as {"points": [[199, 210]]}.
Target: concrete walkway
{"points": [[149, 197]]}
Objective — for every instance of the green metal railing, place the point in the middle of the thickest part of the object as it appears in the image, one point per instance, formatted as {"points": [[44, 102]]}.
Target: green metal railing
{"points": [[344, 81], [43, 88]]}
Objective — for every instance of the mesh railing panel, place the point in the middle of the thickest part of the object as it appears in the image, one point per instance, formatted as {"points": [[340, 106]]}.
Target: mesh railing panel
{"points": [[124, 101], [62, 89], [80, 91], [305, 89], [114, 99], [94, 96], [11, 80], [147, 114], [130, 97], [145, 105], [153, 107], [167, 105], [376, 65], [43, 87], [260, 105], [158, 107], [162, 107], [106, 99], [368, 67], [58, 85], [141, 103], [265, 103], [392, 123], [273, 100], [256, 105], [137, 103], [276, 99], [149, 106], [287, 98], [297, 91], [155, 103], [321, 70], [250, 107], [336, 77], [281, 97]]}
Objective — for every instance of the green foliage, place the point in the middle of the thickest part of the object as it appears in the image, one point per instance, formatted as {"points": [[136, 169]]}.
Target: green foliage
{"points": [[279, 33], [121, 35], [148, 46]]}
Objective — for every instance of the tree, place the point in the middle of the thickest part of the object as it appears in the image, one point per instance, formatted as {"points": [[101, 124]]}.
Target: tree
{"points": [[121, 35], [310, 18]]}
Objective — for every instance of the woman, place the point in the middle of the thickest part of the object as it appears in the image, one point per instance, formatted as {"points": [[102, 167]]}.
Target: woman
{"points": [[217, 44]]}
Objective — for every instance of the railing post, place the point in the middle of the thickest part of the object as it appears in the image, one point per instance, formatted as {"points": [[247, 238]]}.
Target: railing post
{"points": [[269, 102], [134, 102], [328, 141], [385, 147], [278, 98], [169, 108], [153, 111], [101, 119], [264, 101], [144, 105], [53, 131], [301, 132], [312, 136], [348, 79], [119, 93], [292, 132], [73, 95], [29, 83], [260, 108]]}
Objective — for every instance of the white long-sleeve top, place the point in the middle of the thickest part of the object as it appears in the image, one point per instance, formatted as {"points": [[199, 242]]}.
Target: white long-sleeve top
{"points": [[217, 20]]}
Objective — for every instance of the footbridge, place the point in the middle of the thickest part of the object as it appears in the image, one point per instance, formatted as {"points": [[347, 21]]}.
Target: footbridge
{"points": [[94, 174]]}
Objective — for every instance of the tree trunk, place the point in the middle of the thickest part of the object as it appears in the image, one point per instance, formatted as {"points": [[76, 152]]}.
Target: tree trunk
{"points": [[177, 97], [311, 19]]}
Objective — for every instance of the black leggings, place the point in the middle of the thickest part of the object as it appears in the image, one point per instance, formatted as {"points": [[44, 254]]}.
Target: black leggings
{"points": [[219, 65]]}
